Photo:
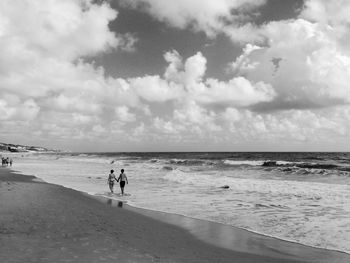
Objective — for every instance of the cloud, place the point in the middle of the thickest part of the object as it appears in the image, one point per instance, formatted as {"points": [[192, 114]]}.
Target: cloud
{"points": [[238, 91], [211, 17], [155, 89], [166, 127], [42, 75], [189, 122], [185, 80], [295, 125], [242, 64], [313, 69], [312, 53], [292, 74], [333, 12], [98, 129], [124, 115], [127, 42], [289, 84], [74, 104], [27, 110], [63, 29]]}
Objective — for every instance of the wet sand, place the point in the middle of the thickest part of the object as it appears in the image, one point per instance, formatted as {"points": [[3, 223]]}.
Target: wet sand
{"points": [[41, 222]]}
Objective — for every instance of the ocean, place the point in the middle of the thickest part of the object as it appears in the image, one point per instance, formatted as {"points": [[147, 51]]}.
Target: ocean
{"points": [[300, 197]]}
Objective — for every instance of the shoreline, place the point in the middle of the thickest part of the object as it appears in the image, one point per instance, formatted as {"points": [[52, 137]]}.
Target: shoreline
{"points": [[148, 212], [220, 236], [138, 234]]}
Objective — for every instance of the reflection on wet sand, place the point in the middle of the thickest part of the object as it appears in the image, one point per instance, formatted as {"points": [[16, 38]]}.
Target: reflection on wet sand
{"points": [[241, 240], [112, 202]]}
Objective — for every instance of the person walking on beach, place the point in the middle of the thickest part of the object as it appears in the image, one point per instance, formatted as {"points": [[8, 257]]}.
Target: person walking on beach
{"points": [[122, 177], [110, 181]]}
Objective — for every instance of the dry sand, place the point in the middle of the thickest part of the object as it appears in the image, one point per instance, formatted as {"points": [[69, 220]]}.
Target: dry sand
{"points": [[41, 222]]}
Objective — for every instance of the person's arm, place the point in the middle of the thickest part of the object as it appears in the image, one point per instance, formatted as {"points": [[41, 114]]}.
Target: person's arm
{"points": [[118, 178], [126, 178]]}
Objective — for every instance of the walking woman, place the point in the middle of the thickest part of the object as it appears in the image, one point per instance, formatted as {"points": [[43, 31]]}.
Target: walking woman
{"points": [[110, 181]]}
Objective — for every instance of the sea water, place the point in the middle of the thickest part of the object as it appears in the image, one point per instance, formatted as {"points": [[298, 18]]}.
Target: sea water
{"points": [[301, 197]]}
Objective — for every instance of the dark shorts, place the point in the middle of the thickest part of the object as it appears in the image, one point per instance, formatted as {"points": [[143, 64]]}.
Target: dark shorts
{"points": [[122, 183], [111, 183]]}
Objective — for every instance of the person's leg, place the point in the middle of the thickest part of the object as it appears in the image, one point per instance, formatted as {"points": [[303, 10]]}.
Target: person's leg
{"points": [[122, 184], [111, 187]]}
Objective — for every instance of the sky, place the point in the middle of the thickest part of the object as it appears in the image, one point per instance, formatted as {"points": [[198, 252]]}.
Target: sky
{"points": [[185, 75]]}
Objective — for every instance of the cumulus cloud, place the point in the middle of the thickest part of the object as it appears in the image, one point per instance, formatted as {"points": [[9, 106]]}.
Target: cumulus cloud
{"points": [[333, 13], [27, 110], [62, 28], [185, 80], [312, 69], [189, 122], [124, 115], [289, 83], [294, 73], [238, 91], [98, 129], [42, 77], [210, 17], [296, 125], [156, 89], [242, 64], [166, 127], [311, 51]]}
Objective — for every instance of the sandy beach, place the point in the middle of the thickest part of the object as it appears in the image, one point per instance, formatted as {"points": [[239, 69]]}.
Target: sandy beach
{"points": [[41, 222]]}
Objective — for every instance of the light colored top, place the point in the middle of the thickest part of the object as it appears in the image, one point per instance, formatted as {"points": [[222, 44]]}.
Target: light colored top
{"points": [[111, 178]]}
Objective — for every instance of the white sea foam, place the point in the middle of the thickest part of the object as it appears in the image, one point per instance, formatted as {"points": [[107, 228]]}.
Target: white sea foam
{"points": [[243, 162], [255, 162], [266, 186], [93, 160]]}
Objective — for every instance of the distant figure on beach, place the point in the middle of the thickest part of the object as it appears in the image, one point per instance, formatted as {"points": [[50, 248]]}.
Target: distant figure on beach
{"points": [[11, 161], [111, 179], [5, 161], [122, 177]]}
